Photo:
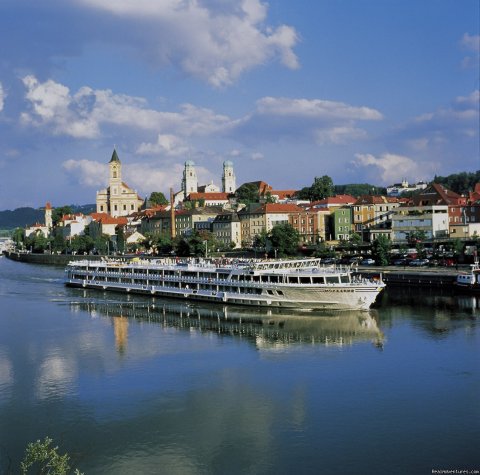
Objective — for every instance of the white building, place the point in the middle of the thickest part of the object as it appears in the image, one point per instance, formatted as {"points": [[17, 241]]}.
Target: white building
{"points": [[431, 220], [398, 188], [228, 178], [118, 199], [189, 180]]}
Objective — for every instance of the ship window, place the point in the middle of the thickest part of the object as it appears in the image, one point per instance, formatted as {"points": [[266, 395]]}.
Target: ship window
{"points": [[332, 279], [256, 278], [293, 280], [279, 292], [274, 278], [270, 292], [264, 278], [344, 279], [318, 280], [305, 280]]}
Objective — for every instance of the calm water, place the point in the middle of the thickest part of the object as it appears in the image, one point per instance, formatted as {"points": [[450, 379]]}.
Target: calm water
{"points": [[131, 386]]}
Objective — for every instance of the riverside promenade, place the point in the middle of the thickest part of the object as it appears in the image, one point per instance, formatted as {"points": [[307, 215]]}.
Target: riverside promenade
{"points": [[392, 275]]}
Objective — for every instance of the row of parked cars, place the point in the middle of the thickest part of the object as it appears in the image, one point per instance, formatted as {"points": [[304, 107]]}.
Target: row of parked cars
{"points": [[400, 261]]}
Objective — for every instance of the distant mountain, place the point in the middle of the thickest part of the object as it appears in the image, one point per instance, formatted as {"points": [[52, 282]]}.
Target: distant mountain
{"points": [[22, 217]]}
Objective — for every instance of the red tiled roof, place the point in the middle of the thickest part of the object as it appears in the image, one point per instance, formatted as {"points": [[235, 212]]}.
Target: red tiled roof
{"points": [[281, 208], [282, 194]]}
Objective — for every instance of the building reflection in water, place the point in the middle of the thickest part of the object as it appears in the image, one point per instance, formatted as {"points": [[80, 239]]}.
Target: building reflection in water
{"points": [[120, 328], [266, 329]]}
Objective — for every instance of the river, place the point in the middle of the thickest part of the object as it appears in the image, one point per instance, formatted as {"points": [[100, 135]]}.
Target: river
{"points": [[134, 385]]}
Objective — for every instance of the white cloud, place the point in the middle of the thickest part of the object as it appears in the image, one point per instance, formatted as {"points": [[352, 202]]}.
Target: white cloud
{"points": [[315, 120], [2, 97], [314, 108], [471, 43], [214, 41], [167, 145], [257, 156], [393, 167], [87, 172], [82, 115]]}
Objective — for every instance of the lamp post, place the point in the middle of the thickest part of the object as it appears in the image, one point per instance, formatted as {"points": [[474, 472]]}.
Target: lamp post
{"points": [[206, 248]]}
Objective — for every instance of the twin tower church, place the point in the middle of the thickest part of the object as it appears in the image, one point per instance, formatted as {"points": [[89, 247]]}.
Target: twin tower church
{"points": [[118, 199]]}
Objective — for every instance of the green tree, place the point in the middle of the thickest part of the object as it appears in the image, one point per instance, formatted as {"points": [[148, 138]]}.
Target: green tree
{"points": [[82, 244], [247, 193], [157, 198], [59, 243], [43, 459], [37, 242], [284, 238], [261, 240], [321, 188], [18, 236], [59, 212], [121, 240], [322, 250], [101, 243], [381, 250]]}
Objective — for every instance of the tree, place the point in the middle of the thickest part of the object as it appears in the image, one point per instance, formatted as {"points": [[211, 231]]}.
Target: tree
{"points": [[45, 459], [18, 236], [247, 193], [321, 188], [381, 249], [59, 212], [157, 198], [284, 238], [59, 244]]}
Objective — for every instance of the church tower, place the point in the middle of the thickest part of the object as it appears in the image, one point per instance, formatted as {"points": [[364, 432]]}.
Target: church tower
{"points": [[228, 178], [118, 199], [48, 216], [189, 181], [115, 179]]}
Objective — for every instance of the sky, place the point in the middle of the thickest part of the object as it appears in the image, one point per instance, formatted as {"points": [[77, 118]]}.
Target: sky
{"points": [[364, 91]]}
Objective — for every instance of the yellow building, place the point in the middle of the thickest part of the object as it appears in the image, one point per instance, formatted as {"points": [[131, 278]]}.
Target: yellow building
{"points": [[118, 199]]}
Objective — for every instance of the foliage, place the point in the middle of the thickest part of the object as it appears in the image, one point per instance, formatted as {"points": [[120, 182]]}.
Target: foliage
{"points": [[157, 198], [121, 240], [381, 249], [82, 244], [359, 189], [261, 240], [247, 193], [459, 182], [101, 243], [321, 188], [18, 236], [355, 239], [58, 213], [322, 250], [43, 459], [37, 242], [284, 238]]}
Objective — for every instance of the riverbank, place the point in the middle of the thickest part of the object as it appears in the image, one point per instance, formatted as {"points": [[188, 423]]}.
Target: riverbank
{"points": [[46, 259]]}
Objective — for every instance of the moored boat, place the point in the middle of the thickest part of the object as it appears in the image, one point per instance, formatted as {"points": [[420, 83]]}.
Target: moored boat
{"points": [[302, 283], [469, 281]]}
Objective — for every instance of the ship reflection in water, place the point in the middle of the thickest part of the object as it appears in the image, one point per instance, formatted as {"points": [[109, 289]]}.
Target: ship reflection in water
{"points": [[265, 329]]}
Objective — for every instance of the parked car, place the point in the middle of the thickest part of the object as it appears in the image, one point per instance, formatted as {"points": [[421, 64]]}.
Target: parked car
{"points": [[419, 262], [355, 259], [367, 262], [400, 262]]}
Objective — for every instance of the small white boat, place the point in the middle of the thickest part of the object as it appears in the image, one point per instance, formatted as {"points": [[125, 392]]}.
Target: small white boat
{"points": [[469, 281], [302, 283]]}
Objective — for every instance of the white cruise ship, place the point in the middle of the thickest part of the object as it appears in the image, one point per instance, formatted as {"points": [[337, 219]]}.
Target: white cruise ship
{"points": [[303, 283]]}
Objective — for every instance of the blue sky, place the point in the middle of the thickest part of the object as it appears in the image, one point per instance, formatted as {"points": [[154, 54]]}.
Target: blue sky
{"points": [[360, 90]]}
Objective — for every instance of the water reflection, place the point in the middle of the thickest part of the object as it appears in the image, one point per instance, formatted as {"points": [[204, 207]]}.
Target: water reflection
{"points": [[432, 298], [267, 330]]}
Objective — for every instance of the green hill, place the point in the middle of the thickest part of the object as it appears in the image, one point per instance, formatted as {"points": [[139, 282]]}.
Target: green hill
{"points": [[22, 217]]}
